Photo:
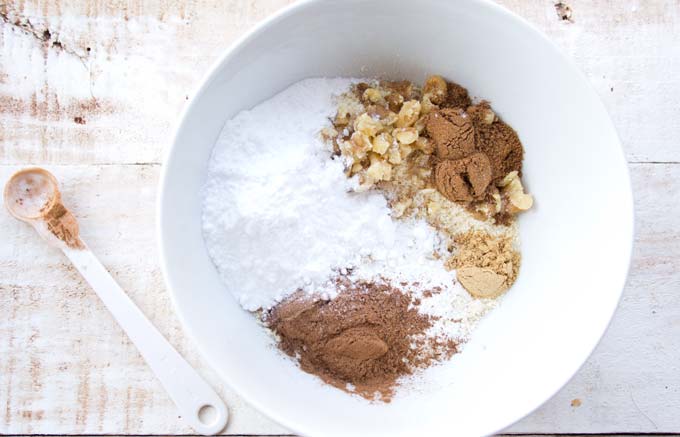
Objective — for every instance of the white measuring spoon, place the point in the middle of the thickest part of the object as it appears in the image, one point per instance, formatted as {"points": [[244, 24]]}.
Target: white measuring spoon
{"points": [[32, 195]]}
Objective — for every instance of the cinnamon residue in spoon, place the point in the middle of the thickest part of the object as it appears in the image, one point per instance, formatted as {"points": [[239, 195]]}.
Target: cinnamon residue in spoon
{"points": [[63, 225], [32, 195]]}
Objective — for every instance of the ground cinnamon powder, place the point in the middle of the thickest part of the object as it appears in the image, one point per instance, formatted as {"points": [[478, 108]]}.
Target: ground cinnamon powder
{"points": [[463, 179], [63, 225], [457, 96], [459, 132], [498, 141], [364, 337], [453, 134]]}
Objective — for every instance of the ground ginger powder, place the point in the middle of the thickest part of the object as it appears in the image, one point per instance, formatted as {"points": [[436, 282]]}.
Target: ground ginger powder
{"points": [[486, 265]]}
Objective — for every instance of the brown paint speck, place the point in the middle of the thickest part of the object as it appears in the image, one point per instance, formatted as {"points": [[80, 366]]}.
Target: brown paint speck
{"points": [[32, 415], [35, 371], [564, 11], [34, 105], [11, 359], [47, 107], [83, 394], [102, 402], [8, 392], [128, 397], [576, 403]]}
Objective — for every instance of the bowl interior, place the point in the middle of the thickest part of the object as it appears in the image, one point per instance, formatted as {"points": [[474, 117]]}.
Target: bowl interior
{"points": [[575, 243]]}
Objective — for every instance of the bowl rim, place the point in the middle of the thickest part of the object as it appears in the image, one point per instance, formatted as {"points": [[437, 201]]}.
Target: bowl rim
{"points": [[262, 26]]}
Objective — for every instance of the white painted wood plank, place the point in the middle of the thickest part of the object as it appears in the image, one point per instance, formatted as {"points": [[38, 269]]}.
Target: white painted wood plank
{"points": [[94, 382], [146, 58]]}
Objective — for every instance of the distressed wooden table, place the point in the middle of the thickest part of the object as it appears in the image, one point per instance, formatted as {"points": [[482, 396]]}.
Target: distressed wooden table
{"points": [[91, 90]]}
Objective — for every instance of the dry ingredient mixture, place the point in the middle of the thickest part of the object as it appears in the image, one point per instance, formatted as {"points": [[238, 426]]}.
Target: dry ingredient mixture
{"points": [[432, 152], [371, 245]]}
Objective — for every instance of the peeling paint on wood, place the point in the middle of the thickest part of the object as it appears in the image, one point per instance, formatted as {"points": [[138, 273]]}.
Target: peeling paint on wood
{"points": [[91, 90], [131, 65]]}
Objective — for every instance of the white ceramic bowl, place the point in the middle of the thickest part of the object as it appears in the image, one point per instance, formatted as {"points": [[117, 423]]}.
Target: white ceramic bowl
{"points": [[576, 242]]}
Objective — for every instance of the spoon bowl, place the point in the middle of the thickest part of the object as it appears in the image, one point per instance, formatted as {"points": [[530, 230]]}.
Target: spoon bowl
{"points": [[31, 193]]}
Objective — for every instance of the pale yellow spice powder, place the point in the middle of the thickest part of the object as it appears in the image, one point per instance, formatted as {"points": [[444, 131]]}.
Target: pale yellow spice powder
{"points": [[487, 265]]}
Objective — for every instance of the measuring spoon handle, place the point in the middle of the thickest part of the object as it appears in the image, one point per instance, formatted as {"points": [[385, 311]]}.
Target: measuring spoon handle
{"points": [[197, 402]]}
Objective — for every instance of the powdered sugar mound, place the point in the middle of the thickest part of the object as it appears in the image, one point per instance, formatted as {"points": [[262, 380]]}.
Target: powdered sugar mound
{"points": [[278, 213]]}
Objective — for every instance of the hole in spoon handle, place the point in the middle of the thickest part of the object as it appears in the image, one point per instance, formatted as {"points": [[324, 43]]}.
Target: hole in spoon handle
{"points": [[198, 404], [209, 418]]}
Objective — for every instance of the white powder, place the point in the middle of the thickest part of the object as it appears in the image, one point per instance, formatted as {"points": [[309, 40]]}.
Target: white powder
{"points": [[280, 215], [277, 214]]}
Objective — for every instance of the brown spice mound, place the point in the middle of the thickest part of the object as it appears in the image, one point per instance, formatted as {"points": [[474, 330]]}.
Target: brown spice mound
{"points": [[498, 140], [459, 134], [463, 179], [362, 337], [487, 265], [457, 97], [453, 134]]}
